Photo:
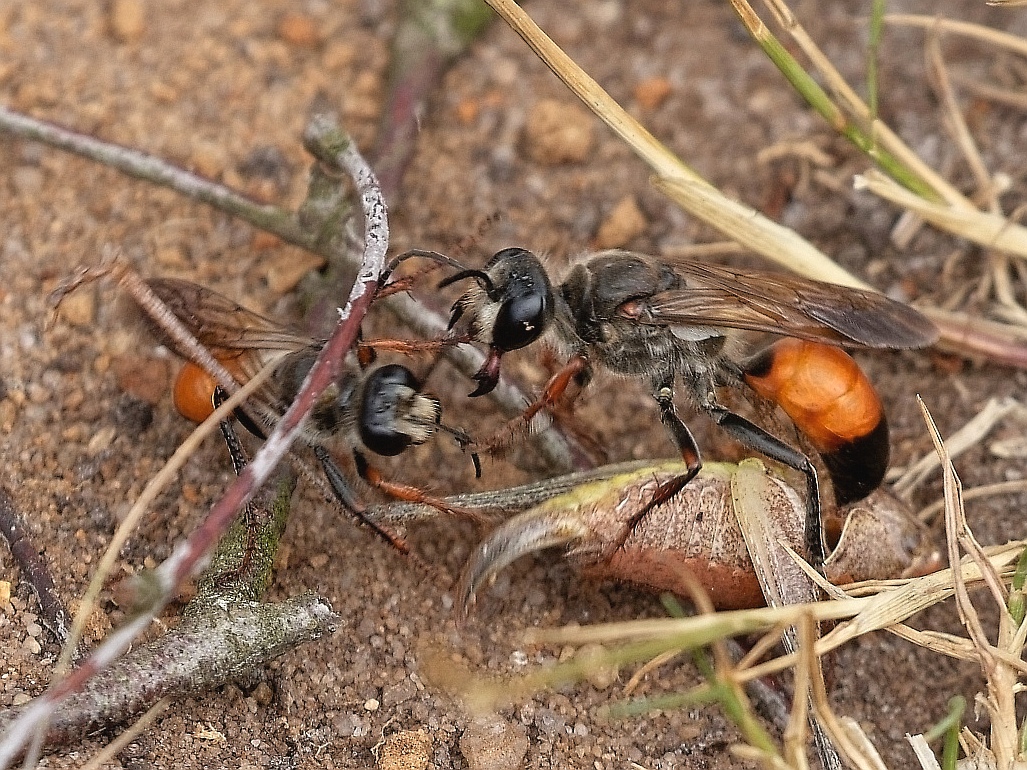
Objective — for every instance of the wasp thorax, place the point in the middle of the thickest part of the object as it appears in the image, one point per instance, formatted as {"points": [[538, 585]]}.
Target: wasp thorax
{"points": [[394, 414]]}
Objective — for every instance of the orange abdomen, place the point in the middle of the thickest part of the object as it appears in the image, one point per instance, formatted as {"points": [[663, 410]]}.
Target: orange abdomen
{"points": [[194, 390], [829, 398]]}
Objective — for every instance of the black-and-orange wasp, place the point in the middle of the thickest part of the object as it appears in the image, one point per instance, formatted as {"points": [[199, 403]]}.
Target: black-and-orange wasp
{"points": [[371, 409], [666, 320]]}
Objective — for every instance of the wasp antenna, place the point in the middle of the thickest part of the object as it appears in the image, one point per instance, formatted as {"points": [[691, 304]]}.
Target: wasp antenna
{"points": [[396, 261], [478, 275]]}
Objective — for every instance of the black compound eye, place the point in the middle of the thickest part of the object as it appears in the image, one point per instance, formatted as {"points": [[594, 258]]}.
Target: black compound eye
{"points": [[521, 321], [384, 390]]}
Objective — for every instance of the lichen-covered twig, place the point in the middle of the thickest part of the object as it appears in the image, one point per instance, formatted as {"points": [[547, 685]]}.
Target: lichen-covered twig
{"points": [[225, 632], [52, 614]]}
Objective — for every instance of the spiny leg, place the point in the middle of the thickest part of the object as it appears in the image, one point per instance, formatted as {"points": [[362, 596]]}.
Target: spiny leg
{"points": [[343, 493], [411, 494], [576, 367], [756, 438], [686, 446], [239, 462]]}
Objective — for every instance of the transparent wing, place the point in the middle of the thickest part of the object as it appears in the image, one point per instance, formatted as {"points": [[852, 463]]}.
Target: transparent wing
{"points": [[221, 324], [787, 305]]}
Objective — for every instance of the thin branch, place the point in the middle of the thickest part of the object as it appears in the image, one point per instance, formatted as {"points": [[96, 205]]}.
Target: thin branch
{"points": [[52, 614]]}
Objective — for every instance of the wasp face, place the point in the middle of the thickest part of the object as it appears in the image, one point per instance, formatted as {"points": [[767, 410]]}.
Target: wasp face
{"points": [[393, 413], [510, 305]]}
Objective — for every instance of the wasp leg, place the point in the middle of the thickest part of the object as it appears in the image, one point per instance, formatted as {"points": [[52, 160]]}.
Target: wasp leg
{"points": [[343, 493], [754, 437], [409, 347], [235, 450], [411, 494], [577, 368], [218, 398], [685, 443], [239, 462]]}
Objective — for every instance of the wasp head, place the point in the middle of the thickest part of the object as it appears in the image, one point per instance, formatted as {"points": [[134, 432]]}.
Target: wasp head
{"points": [[394, 413], [509, 306]]}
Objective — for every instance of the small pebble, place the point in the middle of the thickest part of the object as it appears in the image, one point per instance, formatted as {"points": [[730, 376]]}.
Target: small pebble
{"points": [[128, 20], [31, 645], [100, 440], [208, 160], [371, 704], [5, 592], [625, 222], [652, 92], [263, 694], [558, 132], [298, 29], [492, 743], [406, 750]]}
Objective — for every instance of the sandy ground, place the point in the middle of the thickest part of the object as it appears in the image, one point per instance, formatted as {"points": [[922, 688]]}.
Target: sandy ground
{"points": [[215, 87]]}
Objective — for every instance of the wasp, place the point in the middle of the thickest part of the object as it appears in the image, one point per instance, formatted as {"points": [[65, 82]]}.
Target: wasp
{"points": [[665, 321], [380, 410]]}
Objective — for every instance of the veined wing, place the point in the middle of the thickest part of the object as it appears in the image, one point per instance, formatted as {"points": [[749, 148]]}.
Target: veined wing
{"points": [[788, 305], [221, 324]]}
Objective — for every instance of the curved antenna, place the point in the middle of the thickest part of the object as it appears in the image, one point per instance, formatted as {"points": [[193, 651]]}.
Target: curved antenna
{"points": [[464, 441], [432, 255], [478, 275]]}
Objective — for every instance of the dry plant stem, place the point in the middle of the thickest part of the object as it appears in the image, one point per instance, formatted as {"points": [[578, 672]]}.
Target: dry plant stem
{"points": [[989, 230], [975, 493], [972, 433], [967, 335], [1001, 679], [859, 132], [897, 601], [274, 220], [684, 185], [429, 35], [994, 37], [957, 125], [882, 134], [52, 614], [1004, 96], [190, 556]]}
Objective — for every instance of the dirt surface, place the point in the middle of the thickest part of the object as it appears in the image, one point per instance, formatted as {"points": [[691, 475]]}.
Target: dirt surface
{"points": [[224, 89]]}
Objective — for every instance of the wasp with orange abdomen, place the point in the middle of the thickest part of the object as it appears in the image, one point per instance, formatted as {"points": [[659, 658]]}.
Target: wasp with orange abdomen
{"points": [[667, 320], [372, 409]]}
